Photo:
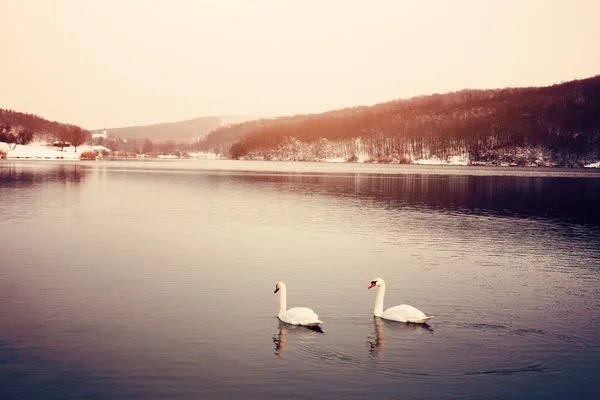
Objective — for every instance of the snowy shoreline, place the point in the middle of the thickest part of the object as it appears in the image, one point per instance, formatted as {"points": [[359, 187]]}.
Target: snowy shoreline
{"points": [[43, 152], [452, 161]]}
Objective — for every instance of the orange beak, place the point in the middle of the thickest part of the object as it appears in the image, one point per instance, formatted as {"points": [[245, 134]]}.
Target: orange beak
{"points": [[372, 285]]}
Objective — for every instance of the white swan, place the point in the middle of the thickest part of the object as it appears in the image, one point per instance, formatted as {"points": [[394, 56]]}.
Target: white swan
{"points": [[401, 313], [297, 315]]}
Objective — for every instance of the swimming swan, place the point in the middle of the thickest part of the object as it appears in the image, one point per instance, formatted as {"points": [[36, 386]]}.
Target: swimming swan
{"points": [[297, 315], [401, 313]]}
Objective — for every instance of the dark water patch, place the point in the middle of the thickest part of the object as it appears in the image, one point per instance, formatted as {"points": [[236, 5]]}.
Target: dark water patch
{"points": [[550, 198], [40, 173], [508, 371]]}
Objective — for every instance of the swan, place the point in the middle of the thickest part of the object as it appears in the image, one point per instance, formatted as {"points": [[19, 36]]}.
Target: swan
{"points": [[297, 315], [401, 313]]}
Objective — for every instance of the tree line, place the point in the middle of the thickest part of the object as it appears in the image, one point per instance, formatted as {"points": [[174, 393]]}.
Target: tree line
{"points": [[16, 135], [561, 120], [40, 126], [140, 146], [21, 128]]}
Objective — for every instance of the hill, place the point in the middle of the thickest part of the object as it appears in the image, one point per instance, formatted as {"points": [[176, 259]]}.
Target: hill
{"points": [[552, 125], [41, 127], [221, 139], [187, 131]]}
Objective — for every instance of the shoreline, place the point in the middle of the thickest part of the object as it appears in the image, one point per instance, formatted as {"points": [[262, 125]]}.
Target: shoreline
{"points": [[190, 159], [41, 152]]}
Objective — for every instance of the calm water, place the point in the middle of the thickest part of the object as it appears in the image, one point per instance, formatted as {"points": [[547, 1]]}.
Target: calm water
{"points": [[154, 280]]}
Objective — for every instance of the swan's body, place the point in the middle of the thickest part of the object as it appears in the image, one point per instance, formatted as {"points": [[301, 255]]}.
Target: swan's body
{"points": [[297, 315], [401, 313]]}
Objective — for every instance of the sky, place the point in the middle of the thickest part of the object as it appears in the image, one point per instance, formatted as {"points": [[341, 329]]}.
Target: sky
{"points": [[114, 63]]}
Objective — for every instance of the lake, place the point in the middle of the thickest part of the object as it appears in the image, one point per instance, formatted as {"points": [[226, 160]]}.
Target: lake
{"points": [[155, 279]]}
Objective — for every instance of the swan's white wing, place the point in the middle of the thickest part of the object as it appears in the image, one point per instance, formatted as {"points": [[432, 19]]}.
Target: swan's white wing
{"points": [[405, 313], [300, 316]]}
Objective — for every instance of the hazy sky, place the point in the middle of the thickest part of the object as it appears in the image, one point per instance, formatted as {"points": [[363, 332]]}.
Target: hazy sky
{"points": [[127, 62]]}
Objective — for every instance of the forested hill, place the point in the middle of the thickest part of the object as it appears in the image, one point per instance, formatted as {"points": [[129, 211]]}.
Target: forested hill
{"points": [[553, 125], [221, 139], [38, 125]]}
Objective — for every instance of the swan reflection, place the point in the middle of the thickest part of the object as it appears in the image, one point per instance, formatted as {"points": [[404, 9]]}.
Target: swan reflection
{"points": [[297, 331], [375, 343]]}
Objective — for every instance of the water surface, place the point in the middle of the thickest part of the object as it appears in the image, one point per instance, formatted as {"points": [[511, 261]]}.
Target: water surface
{"points": [[154, 280]]}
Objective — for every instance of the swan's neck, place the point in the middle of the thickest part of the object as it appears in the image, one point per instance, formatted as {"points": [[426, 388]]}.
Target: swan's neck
{"points": [[282, 300], [378, 311]]}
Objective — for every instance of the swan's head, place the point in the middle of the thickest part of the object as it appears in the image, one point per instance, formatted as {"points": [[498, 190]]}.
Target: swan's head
{"points": [[376, 282], [279, 286]]}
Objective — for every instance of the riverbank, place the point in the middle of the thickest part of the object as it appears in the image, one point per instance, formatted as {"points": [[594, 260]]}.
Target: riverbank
{"points": [[41, 151]]}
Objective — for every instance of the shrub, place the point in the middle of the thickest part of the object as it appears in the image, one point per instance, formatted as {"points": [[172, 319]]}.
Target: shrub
{"points": [[89, 155], [521, 161], [384, 160], [405, 160]]}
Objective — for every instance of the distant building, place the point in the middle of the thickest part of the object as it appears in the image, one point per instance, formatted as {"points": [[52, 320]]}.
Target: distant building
{"points": [[102, 135]]}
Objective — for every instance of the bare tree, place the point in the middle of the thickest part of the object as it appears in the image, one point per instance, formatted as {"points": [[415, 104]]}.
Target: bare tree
{"points": [[77, 136], [15, 135], [63, 135], [5, 133], [148, 146], [168, 146], [24, 137], [112, 144]]}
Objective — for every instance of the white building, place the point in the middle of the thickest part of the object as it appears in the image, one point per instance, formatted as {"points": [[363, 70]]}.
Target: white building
{"points": [[102, 135]]}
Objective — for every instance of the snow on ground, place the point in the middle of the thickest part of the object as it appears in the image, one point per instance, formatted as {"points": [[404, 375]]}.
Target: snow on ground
{"points": [[361, 158], [37, 141], [36, 152], [339, 159], [39, 151], [453, 160], [85, 147], [204, 155], [594, 165]]}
